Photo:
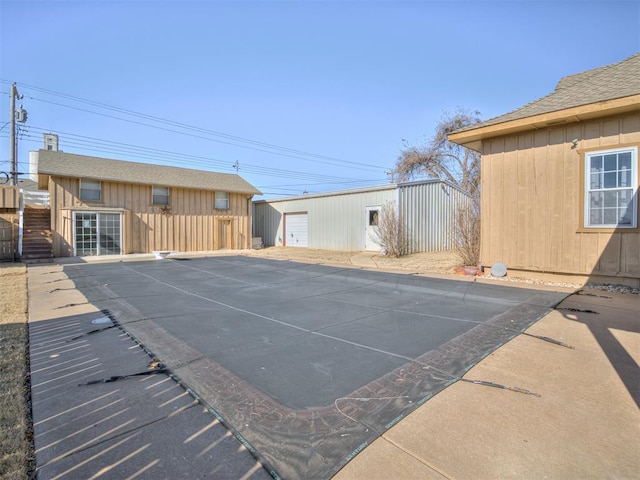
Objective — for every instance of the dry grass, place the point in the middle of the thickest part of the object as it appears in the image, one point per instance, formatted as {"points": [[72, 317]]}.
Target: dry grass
{"points": [[303, 254], [426, 262], [16, 450]]}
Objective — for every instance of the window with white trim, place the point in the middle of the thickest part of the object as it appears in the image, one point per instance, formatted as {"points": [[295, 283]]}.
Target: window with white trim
{"points": [[222, 200], [611, 188], [161, 196], [90, 190]]}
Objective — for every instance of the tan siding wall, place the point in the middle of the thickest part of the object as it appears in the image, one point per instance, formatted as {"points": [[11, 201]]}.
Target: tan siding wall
{"points": [[531, 201], [9, 197], [191, 224], [8, 234]]}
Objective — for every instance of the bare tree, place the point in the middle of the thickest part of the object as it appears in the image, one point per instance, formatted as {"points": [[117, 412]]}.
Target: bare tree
{"points": [[392, 231], [440, 158]]}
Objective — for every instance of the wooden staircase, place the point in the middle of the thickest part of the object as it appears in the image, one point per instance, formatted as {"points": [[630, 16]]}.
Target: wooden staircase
{"points": [[37, 244]]}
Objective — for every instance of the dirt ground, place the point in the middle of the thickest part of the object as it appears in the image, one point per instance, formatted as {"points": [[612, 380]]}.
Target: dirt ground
{"points": [[16, 453], [430, 262], [440, 263]]}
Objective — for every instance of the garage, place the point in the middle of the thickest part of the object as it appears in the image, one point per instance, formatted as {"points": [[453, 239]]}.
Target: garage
{"points": [[295, 229]]}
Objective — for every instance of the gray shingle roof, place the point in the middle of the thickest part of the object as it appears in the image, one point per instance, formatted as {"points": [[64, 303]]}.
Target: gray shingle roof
{"points": [[610, 82], [81, 166]]}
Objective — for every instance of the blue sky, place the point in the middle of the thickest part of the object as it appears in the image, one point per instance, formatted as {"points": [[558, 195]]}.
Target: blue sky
{"points": [[304, 96]]}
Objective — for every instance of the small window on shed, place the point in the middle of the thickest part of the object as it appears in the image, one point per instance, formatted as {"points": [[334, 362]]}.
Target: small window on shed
{"points": [[373, 218], [90, 190], [222, 200], [161, 196]]}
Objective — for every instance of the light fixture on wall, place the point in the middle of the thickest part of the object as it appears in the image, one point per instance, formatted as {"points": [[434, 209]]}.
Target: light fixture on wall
{"points": [[574, 143]]}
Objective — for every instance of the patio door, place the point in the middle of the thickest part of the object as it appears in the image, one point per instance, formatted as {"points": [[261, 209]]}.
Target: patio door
{"points": [[98, 233]]}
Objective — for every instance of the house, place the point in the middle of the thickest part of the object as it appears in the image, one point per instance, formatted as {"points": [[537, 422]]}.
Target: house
{"points": [[347, 220], [560, 176], [101, 206]]}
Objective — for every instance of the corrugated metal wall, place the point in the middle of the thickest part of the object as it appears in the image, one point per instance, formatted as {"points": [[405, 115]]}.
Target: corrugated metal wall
{"points": [[337, 221], [429, 211]]}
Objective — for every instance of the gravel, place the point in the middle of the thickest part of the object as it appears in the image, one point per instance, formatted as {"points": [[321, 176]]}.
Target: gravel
{"points": [[589, 286]]}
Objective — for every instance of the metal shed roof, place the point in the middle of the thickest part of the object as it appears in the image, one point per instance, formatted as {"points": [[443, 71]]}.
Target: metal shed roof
{"points": [[389, 186]]}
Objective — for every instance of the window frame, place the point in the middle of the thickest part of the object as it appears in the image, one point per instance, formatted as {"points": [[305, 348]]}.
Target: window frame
{"points": [[586, 225], [154, 195], [89, 181], [94, 233], [225, 199], [374, 217]]}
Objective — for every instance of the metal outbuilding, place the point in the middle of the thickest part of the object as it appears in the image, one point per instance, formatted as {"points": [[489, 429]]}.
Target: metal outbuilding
{"points": [[346, 220]]}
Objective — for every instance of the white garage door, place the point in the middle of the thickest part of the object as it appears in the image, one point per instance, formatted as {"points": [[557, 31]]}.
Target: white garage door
{"points": [[295, 229]]}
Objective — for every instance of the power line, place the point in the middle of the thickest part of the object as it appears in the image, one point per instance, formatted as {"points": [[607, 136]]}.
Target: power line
{"points": [[174, 157], [119, 148], [228, 139]]}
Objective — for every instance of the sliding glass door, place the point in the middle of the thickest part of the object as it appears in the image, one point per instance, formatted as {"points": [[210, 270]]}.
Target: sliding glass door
{"points": [[98, 233]]}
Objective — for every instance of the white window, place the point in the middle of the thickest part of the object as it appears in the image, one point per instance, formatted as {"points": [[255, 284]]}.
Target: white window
{"points": [[90, 190], [161, 196], [222, 200], [611, 188]]}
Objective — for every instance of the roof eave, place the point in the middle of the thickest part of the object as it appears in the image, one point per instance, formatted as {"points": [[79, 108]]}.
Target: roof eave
{"points": [[45, 174], [473, 138]]}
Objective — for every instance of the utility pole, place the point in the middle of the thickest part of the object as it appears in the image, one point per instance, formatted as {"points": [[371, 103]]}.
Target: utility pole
{"points": [[12, 134]]}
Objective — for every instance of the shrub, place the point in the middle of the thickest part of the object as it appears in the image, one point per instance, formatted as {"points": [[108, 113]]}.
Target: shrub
{"points": [[466, 233], [392, 231]]}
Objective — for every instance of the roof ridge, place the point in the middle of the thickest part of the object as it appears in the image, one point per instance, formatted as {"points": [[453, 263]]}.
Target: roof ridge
{"points": [[616, 80], [583, 75], [587, 75], [110, 169], [143, 164]]}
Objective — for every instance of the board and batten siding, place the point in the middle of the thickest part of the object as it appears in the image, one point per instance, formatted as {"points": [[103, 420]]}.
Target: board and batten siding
{"points": [[337, 220], [9, 197], [532, 201], [191, 224]]}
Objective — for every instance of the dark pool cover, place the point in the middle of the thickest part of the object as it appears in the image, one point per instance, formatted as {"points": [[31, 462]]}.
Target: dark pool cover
{"points": [[308, 364]]}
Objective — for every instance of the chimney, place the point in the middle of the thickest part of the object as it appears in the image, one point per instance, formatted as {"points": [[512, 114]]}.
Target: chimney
{"points": [[50, 142]]}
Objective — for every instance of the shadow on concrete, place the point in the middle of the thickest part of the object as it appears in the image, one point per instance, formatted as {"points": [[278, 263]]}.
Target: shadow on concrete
{"points": [[597, 310], [93, 415]]}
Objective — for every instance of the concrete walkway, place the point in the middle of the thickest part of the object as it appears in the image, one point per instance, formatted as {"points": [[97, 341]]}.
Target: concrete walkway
{"points": [[364, 260]]}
